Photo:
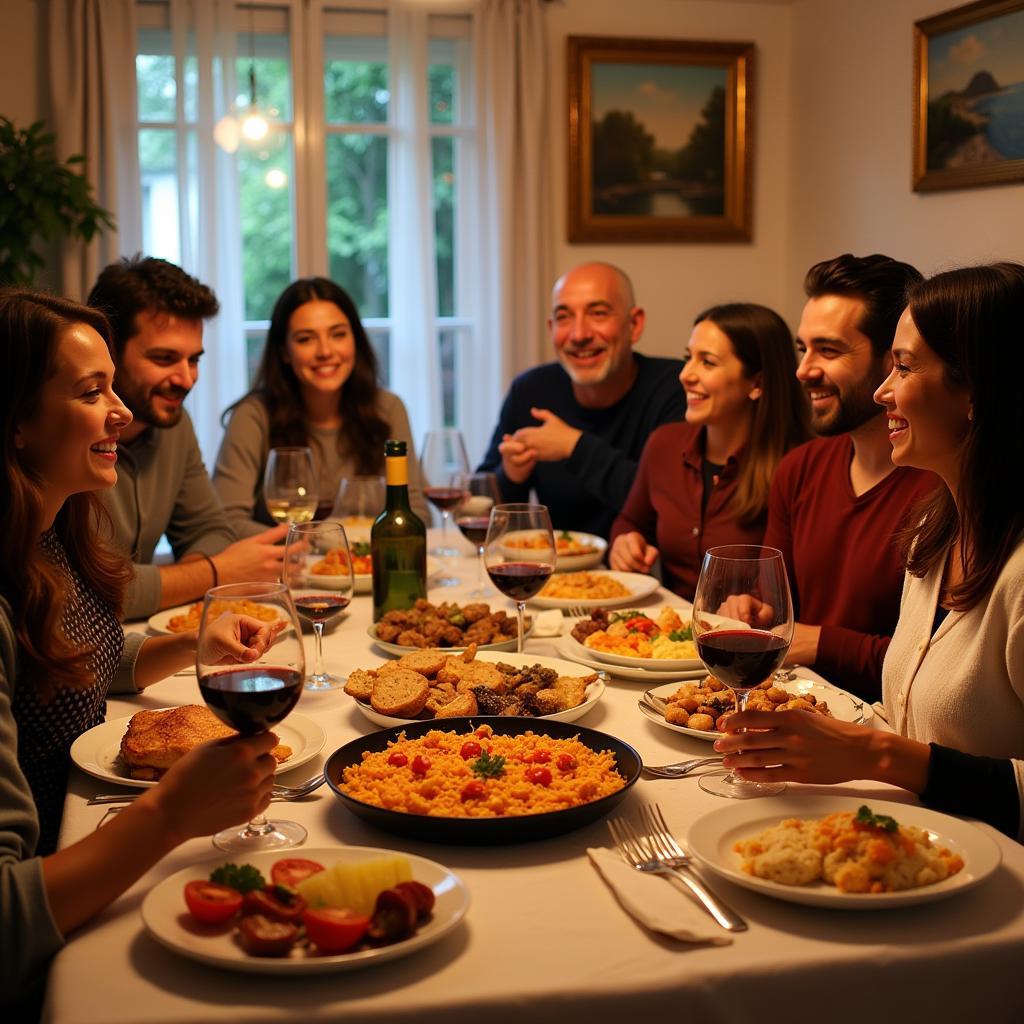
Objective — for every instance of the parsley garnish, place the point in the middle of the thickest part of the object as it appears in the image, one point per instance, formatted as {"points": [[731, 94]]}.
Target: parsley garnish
{"points": [[882, 821], [360, 548], [241, 878], [679, 635], [488, 766], [565, 535], [635, 613]]}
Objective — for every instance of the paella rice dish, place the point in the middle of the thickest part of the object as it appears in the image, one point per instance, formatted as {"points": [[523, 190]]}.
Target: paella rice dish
{"points": [[857, 853], [482, 775]]}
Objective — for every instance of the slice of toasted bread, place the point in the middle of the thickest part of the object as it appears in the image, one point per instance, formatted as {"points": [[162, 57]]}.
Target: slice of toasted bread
{"points": [[464, 705], [400, 694], [428, 663], [360, 684]]}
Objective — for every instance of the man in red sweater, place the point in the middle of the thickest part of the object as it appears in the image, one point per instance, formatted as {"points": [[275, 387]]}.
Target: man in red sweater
{"points": [[837, 502]]}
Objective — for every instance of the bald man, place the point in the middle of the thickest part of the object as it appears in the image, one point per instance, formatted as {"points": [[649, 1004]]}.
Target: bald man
{"points": [[572, 430]]}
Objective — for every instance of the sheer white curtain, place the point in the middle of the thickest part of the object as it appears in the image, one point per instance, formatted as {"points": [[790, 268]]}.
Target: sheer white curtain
{"points": [[92, 97], [513, 276]]}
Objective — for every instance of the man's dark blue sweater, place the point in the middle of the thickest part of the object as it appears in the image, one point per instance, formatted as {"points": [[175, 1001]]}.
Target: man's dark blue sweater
{"points": [[586, 491]]}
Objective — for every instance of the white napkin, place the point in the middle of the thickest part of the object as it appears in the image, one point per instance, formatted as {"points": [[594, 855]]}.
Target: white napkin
{"points": [[655, 902], [548, 623]]}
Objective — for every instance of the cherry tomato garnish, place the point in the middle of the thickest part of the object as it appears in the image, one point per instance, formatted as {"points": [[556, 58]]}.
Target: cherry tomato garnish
{"points": [[640, 624], [334, 931], [292, 870], [470, 749], [211, 903], [540, 775], [473, 791], [540, 757], [397, 760], [421, 764], [565, 762]]}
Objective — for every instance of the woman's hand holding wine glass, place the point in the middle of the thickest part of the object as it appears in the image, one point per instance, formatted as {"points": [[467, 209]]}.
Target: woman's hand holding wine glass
{"points": [[738, 652]]}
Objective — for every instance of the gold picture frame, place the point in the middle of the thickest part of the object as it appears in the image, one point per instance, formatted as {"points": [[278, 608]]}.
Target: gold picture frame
{"points": [[660, 140], [969, 96]]}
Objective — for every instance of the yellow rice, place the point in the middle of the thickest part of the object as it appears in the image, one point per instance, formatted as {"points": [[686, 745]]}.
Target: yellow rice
{"points": [[437, 793]]}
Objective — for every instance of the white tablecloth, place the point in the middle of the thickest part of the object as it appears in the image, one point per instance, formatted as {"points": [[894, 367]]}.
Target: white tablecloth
{"points": [[544, 940]]}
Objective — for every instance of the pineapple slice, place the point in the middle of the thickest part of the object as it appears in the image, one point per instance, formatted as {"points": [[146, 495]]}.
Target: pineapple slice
{"points": [[355, 885]]}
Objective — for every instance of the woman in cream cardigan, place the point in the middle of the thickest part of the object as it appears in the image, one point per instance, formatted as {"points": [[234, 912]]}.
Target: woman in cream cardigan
{"points": [[953, 680]]}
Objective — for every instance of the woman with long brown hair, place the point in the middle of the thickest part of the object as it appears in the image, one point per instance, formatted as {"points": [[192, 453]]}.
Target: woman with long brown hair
{"points": [[953, 679], [705, 481], [62, 647], [316, 386]]}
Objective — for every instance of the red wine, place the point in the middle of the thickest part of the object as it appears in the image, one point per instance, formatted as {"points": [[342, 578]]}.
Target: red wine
{"points": [[443, 498], [320, 607], [519, 580], [474, 528], [741, 658], [251, 699]]}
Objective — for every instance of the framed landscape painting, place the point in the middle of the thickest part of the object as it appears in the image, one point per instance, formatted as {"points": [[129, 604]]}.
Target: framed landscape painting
{"points": [[969, 96], [660, 140]]}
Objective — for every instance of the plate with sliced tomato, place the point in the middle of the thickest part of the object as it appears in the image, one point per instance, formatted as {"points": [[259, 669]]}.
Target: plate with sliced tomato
{"points": [[251, 916]]}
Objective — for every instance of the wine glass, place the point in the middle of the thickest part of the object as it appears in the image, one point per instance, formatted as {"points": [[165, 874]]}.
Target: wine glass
{"points": [[253, 696], [517, 571], [443, 457], [360, 500], [748, 582], [317, 569], [290, 485], [473, 516]]}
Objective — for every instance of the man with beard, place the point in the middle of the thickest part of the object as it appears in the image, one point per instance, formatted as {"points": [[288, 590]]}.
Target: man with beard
{"points": [[156, 313], [837, 502], [572, 430]]}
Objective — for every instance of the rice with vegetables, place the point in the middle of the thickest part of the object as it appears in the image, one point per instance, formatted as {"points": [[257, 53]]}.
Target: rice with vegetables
{"points": [[482, 775]]}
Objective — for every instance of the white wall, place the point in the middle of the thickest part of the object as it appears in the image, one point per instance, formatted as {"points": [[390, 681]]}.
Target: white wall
{"points": [[675, 282]]}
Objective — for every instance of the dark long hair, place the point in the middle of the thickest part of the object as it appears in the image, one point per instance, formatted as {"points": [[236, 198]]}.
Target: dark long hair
{"points": [[973, 319], [363, 430], [31, 327], [782, 418]]}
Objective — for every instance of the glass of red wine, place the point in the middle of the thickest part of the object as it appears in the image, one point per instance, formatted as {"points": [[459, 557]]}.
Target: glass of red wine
{"points": [[519, 553], [317, 569], [442, 459], [252, 696], [743, 626], [473, 517]]}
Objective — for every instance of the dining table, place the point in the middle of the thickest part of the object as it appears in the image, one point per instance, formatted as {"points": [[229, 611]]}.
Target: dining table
{"points": [[544, 938]]}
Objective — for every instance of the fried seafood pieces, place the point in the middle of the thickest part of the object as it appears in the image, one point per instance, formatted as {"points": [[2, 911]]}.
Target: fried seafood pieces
{"points": [[445, 625], [432, 684], [707, 705]]}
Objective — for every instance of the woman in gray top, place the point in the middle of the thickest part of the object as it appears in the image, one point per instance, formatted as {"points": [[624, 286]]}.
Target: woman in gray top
{"points": [[62, 648], [316, 386]]}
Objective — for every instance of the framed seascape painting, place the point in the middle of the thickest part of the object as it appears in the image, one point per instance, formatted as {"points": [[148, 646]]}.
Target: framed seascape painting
{"points": [[660, 140], [969, 96]]}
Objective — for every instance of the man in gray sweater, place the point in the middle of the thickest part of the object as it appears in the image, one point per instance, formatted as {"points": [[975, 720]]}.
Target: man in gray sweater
{"points": [[156, 314]]}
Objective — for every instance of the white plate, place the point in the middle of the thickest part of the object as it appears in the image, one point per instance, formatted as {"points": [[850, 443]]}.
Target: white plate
{"points": [[674, 665], [506, 645], [638, 584], [159, 621], [167, 920], [571, 648], [594, 691], [364, 581], [563, 563], [98, 751], [844, 706], [712, 836]]}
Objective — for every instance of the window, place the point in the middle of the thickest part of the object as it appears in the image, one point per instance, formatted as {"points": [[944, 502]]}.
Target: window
{"points": [[318, 193]]}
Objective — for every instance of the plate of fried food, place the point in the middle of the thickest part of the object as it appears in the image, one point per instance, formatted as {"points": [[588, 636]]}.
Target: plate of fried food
{"points": [[435, 684], [186, 617], [843, 852], [138, 749], [498, 780], [702, 707], [606, 589], [449, 626], [573, 550]]}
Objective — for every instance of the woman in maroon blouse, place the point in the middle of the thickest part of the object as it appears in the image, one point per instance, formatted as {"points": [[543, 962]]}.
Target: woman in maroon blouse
{"points": [[705, 481]]}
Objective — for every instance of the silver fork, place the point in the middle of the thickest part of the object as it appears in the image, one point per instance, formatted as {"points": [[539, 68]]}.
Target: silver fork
{"points": [[278, 792], [638, 852], [574, 612], [680, 769]]}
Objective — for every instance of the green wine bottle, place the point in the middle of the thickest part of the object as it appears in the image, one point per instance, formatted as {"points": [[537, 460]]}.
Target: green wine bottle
{"points": [[398, 541]]}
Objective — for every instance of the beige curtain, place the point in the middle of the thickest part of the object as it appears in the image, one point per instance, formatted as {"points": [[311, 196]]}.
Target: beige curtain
{"points": [[514, 236], [91, 46]]}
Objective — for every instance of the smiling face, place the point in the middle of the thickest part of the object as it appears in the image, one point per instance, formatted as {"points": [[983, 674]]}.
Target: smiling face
{"points": [[158, 368], [70, 443], [320, 347], [593, 325], [718, 391], [838, 367], [928, 416]]}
